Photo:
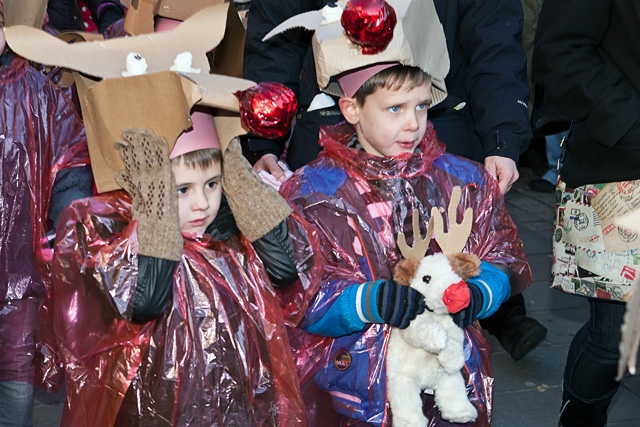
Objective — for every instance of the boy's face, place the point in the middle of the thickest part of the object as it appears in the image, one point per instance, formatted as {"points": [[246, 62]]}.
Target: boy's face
{"points": [[391, 121], [199, 196]]}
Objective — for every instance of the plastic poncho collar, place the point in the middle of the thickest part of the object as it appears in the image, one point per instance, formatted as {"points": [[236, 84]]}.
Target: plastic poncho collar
{"points": [[357, 203], [218, 356]]}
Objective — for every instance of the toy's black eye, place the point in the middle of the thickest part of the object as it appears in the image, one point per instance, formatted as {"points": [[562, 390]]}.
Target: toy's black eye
{"points": [[426, 279]]}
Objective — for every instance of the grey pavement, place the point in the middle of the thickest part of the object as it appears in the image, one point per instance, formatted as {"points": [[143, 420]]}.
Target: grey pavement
{"points": [[527, 392]]}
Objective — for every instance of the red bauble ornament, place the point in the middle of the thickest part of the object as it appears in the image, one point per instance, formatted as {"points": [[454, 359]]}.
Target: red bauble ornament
{"points": [[369, 24], [267, 109]]}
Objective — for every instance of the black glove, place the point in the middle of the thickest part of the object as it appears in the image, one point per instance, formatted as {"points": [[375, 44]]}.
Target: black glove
{"points": [[398, 305], [468, 315]]}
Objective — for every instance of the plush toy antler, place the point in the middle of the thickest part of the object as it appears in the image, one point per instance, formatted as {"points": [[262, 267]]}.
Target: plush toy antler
{"points": [[451, 242]]}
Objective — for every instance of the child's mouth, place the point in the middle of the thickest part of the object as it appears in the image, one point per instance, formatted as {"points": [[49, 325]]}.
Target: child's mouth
{"points": [[406, 144]]}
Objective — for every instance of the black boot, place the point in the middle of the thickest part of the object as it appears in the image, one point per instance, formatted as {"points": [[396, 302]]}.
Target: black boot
{"points": [[521, 336], [517, 333], [578, 413]]}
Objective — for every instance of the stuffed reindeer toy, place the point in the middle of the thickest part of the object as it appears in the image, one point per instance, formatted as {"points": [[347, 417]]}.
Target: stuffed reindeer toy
{"points": [[429, 353]]}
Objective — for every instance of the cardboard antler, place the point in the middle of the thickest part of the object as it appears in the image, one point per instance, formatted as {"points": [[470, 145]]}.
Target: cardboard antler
{"points": [[450, 242], [454, 240], [420, 245]]}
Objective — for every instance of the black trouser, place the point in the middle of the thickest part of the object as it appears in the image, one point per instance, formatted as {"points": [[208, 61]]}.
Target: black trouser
{"points": [[592, 365], [512, 310]]}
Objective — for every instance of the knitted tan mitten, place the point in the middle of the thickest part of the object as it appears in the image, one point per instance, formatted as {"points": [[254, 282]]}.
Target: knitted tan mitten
{"points": [[148, 178], [256, 206]]}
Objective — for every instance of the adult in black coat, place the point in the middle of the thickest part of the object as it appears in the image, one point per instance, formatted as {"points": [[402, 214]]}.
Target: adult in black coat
{"points": [[586, 57]]}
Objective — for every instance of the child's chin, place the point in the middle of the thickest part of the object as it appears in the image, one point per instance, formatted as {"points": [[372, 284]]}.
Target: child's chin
{"points": [[193, 231], [403, 151]]}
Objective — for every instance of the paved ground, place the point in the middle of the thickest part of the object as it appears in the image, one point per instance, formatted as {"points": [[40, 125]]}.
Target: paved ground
{"points": [[527, 392]]}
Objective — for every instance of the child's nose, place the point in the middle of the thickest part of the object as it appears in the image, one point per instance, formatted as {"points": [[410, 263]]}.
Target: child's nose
{"points": [[412, 122], [200, 201]]}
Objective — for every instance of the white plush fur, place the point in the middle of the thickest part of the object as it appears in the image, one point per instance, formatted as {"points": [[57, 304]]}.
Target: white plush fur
{"points": [[428, 355]]}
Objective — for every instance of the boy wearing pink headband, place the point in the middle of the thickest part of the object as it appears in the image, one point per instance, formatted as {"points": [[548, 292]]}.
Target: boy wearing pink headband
{"points": [[175, 318], [165, 313]]}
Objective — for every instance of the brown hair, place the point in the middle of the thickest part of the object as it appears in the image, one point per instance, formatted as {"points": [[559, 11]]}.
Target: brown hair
{"points": [[392, 78], [200, 159]]}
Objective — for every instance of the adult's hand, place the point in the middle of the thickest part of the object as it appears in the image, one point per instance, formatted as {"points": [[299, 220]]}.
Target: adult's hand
{"points": [[269, 163], [504, 170]]}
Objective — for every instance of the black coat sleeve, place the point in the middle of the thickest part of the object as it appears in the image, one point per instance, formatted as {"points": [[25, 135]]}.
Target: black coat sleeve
{"points": [[490, 40], [70, 184], [274, 248], [576, 59], [497, 78], [276, 254], [153, 288]]}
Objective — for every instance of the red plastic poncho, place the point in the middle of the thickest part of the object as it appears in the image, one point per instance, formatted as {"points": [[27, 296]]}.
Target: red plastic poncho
{"points": [[219, 356], [40, 134], [358, 203]]}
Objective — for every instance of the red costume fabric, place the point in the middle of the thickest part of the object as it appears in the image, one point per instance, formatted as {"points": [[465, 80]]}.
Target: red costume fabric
{"points": [[40, 134], [219, 356]]}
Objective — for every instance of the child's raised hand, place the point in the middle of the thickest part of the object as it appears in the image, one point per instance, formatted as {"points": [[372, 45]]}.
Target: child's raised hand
{"points": [[148, 179]]}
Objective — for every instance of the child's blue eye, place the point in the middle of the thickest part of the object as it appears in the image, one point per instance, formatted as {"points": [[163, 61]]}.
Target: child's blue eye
{"points": [[394, 109], [422, 107]]}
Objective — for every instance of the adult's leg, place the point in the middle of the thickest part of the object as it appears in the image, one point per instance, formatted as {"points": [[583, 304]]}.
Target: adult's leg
{"points": [[16, 403], [17, 325], [552, 143], [592, 363]]}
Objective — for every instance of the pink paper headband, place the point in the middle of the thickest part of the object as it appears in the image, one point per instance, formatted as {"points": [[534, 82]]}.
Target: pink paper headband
{"points": [[352, 80], [202, 135]]}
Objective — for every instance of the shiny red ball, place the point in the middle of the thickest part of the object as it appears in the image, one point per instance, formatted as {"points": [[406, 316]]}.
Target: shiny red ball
{"points": [[267, 109], [369, 24]]}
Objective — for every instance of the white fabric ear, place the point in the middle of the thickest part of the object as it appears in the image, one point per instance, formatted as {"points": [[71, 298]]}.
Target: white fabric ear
{"points": [[321, 100]]}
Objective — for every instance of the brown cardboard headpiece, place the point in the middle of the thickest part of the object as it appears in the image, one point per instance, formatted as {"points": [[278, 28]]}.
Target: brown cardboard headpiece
{"points": [[418, 40], [160, 100], [24, 12]]}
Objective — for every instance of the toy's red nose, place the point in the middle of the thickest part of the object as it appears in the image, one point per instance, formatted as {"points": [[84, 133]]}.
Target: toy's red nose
{"points": [[456, 297]]}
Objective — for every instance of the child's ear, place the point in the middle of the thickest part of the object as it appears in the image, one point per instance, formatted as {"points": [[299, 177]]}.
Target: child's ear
{"points": [[349, 108]]}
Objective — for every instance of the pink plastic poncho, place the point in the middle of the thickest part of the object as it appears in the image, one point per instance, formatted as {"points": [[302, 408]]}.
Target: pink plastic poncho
{"points": [[40, 134], [358, 203], [219, 356]]}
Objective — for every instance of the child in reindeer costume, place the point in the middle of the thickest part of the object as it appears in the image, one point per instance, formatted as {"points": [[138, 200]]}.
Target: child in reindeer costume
{"points": [[164, 313], [374, 172]]}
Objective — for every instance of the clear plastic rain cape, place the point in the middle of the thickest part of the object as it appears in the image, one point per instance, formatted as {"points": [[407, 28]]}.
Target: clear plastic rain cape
{"points": [[219, 356], [357, 204], [40, 134]]}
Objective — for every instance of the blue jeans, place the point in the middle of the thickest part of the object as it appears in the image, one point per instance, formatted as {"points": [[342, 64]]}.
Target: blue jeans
{"points": [[16, 404], [553, 150], [17, 347], [592, 365]]}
